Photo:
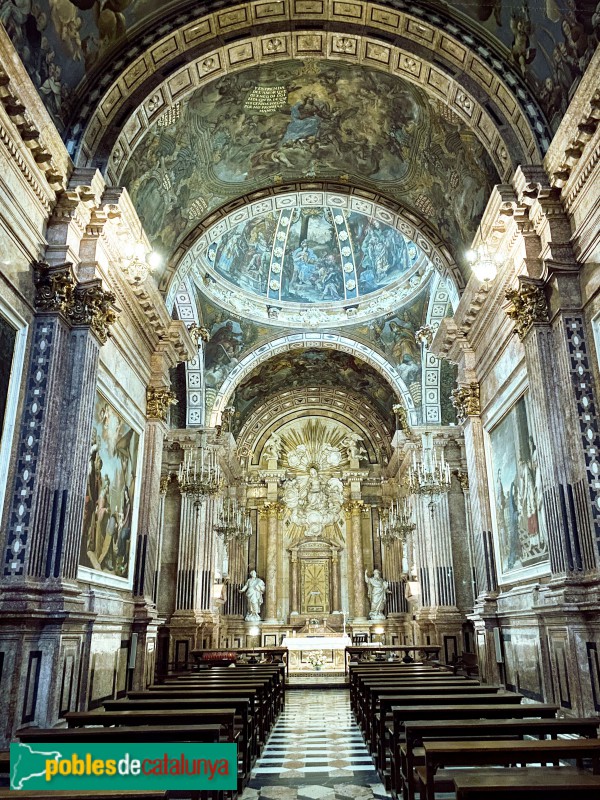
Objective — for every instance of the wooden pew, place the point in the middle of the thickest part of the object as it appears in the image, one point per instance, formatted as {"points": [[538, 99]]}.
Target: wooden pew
{"points": [[386, 699], [363, 685], [406, 714], [242, 706], [498, 753], [464, 699], [205, 734], [225, 717], [269, 694], [409, 755], [527, 783]]}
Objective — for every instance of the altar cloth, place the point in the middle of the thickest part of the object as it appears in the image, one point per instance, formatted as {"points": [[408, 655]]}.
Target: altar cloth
{"points": [[316, 642]]}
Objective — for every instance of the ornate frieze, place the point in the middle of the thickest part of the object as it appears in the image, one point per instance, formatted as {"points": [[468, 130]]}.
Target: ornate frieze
{"points": [[54, 288], [528, 306], [466, 401], [158, 400], [94, 307]]}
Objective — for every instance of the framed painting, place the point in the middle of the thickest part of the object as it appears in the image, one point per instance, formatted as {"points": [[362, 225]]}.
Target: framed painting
{"points": [[110, 498], [517, 492], [13, 341]]}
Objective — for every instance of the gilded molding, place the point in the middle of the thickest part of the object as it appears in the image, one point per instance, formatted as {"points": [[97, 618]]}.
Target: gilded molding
{"points": [[54, 288], [158, 400], [94, 307], [528, 306], [466, 401]]}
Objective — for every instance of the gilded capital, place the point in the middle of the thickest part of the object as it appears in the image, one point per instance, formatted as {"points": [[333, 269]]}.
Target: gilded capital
{"points": [[353, 506], [274, 509], [528, 306], [54, 287], [401, 418], [198, 333], [158, 400], [463, 479], [93, 307], [465, 400]]}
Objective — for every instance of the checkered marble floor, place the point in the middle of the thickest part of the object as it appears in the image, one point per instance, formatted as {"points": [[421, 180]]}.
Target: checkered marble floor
{"points": [[315, 752]]}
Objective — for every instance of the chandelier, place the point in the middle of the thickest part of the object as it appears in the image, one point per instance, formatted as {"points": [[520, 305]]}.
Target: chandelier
{"points": [[397, 523], [200, 473], [483, 263], [429, 475], [233, 521]]}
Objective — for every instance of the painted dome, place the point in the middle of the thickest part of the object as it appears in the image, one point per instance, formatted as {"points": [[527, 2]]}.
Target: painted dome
{"points": [[309, 261]]}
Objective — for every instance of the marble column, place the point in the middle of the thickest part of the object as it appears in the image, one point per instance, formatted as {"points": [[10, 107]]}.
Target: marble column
{"points": [[563, 424], [274, 510], [336, 603], [43, 540], [358, 561], [295, 599]]}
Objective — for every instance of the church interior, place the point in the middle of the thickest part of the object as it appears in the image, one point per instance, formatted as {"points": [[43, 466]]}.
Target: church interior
{"points": [[299, 363]]}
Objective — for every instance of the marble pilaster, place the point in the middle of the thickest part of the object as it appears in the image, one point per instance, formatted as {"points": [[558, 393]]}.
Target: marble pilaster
{"points": [[359, 593], [274, 512]]}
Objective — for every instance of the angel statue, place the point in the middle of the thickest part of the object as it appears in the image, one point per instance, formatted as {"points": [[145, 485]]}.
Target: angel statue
{"points": [[314, 502], [273, 447], [377, 590], [354, 450]]}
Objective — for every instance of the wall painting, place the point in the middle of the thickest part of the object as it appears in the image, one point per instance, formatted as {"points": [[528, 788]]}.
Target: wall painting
{"points": [[106, 544], [517, 489]]}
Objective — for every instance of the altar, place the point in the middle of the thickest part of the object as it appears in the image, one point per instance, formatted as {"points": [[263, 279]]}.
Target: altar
{"points": [[317, 636], [333, 649]]}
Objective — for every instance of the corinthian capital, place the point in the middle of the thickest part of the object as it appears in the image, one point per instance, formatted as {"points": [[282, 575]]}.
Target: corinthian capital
{"points": [[528, 306], [54, 287], [465, 400], [158, 400], [93, 307]]}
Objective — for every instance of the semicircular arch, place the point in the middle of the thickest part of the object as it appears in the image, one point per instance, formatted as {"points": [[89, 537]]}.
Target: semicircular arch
{"points": [[327, 402], [313, 340], [194, 53]]}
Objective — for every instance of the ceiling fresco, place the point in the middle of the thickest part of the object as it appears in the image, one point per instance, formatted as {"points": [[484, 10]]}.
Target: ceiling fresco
{"points": [[312, 254], [66, 43], [315, 119], [312, 368]]}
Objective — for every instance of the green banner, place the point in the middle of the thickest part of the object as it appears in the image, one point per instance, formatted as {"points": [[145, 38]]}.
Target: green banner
{"points": [[119, 766]]}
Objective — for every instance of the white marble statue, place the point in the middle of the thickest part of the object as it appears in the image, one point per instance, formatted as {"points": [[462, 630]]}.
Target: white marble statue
{"points": [[254, 589], [354, 450], [377, 590], [273, 447], [314, 501]]}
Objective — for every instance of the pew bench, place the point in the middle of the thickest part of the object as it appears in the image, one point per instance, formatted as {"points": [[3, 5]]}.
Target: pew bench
{"points": [[405, 714], [432, 700], [411, 753], [527, 783], [246, 733], [438, 755]]}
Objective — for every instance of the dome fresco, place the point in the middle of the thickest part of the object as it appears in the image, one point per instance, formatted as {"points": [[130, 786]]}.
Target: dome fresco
{"points": [[313, 254]]}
